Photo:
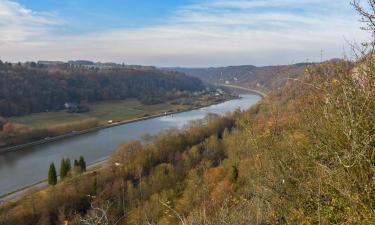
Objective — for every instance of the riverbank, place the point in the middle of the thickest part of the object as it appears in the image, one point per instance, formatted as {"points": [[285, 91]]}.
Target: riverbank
{"points": [[54, 151], [106, 126], [41, 185], [262, 94]]}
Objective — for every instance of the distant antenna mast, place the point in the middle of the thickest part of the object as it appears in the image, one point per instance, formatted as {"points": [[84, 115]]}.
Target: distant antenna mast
{"points": [[321, 55]]}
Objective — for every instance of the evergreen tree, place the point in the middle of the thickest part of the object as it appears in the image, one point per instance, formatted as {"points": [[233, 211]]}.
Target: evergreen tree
{"points": [[82, 164], [52, 176], [63, 169], [76, 163], [76, 167], [68, 165]]}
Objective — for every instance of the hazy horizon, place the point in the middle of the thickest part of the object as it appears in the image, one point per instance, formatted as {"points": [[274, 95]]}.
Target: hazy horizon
{"points": [[183, 33], [165, 67]]}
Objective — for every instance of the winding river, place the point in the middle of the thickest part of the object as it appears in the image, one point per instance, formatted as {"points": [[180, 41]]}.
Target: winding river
{"points": [[21, 168]]}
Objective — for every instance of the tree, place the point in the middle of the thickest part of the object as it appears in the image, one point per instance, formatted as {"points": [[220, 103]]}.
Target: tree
{"points": [[33, 64], [76, 168], [82, 164], [234, 173], [367, 13], [63, 169], [68, 164], [52, 176], [76, 163], [3, 121]]}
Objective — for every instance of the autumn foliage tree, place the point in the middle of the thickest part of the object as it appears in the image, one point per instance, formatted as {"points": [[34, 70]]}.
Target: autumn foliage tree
{"points": [[303, 155]]}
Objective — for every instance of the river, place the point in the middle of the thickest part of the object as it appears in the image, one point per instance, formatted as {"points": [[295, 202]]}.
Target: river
{"points": [[28, 166]]}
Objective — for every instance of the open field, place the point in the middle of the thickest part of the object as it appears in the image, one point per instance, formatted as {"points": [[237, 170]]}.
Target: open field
{"points": [[33, 128], [104, 111]]}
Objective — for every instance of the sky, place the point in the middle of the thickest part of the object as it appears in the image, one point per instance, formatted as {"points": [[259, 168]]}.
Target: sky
{"points": [[188, 33]]}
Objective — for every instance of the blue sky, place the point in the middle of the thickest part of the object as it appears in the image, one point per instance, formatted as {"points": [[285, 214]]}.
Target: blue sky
{"points": [[83, 16], [177, 32]]}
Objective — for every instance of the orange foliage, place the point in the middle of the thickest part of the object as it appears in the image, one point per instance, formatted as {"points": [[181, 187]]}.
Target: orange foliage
{"points": [[214, 175], [15, 127], [221, 191]]}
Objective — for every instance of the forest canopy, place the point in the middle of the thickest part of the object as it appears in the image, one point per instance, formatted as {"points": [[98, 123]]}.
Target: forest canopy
{"points": [[30, 89]]}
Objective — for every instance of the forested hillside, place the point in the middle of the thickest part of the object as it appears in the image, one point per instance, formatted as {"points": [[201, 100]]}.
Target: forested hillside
{"points": [[303, 155], [25, 89], [259, 78]]}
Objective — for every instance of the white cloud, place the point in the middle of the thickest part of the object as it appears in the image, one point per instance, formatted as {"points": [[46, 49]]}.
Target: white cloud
{"points": [[215, 32], [20, 24]]}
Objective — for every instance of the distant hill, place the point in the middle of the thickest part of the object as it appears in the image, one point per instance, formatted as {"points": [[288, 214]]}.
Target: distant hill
{"points": [[261, 78], [31, 88], [282, 161]]}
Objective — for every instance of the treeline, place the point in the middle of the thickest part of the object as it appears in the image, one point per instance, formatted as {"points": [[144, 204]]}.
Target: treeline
{"points": [[259, 78], [28, 89], [15, 134], [133, 181], [304, 155], [66, 170]]}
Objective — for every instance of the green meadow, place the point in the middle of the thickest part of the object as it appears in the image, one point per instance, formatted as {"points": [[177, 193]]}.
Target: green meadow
{"points": [[104, 111]]}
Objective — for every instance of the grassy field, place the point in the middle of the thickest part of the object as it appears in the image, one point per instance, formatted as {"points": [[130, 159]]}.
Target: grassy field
{"points": [[104, 111]]}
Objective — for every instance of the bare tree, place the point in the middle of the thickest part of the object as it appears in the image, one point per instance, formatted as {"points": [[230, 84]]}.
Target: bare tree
{"points": [[368, 14], [99, 216]]}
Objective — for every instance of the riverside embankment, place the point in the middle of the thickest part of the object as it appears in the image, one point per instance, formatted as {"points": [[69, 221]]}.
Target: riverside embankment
{"points": [[19, 169], [76, 133]]}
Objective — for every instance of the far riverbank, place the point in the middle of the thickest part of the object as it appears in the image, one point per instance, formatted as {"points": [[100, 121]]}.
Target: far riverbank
{"points": [[105, 126], [19, 169]]}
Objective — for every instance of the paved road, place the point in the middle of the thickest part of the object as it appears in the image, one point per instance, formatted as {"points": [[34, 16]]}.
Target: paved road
{"points": [[245, 89], [19, 194], [189, 115], [41, 186]]}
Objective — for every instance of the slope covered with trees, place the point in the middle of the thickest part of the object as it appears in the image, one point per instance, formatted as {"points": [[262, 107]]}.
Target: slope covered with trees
{"points": [[259, 78], [303, 155], [30, 89]]}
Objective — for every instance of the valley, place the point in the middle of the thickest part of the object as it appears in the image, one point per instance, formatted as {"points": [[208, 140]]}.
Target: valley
{"points": [[204, 112]]}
